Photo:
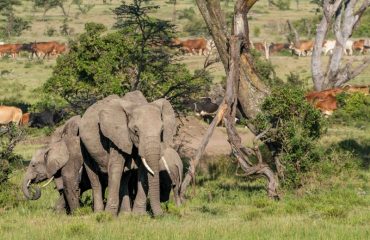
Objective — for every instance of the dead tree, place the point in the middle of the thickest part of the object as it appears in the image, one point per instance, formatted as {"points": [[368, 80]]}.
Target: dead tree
{"points": [[343, 18], [244, 88]]}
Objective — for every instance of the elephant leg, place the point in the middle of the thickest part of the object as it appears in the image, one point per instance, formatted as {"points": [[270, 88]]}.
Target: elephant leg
{"points": [[70, 175], [142, 191], [176, 196], [124, 193], [115, 169], [60, 205], [96, 189]]}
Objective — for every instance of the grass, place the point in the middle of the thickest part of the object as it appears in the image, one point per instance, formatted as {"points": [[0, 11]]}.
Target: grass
{"points": [[333, 204]]}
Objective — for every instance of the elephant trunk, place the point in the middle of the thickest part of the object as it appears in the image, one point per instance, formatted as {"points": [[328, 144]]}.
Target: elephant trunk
{"points": [[26, 185], [152, 154]]}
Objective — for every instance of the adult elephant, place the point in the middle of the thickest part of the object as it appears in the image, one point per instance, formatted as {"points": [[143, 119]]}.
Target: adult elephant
{"points": [[61, 160], [112, 130]]}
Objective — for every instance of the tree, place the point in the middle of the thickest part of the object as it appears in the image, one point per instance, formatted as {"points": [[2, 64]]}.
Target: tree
{"points": [[343, 18], [50, 4], [134, 57], [14, 26], [244, 90]]}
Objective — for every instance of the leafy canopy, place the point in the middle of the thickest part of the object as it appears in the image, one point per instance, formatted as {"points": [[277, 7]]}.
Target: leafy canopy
{"points": [[137, 56]]}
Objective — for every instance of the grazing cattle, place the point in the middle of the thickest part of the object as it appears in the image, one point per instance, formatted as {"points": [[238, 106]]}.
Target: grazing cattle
{"points": [[46, 118], [361, 46], [303, 48], [278, 47], [348, 48], [10, 114], [60, 48], [326, 101], [25, 119], [192, 46], [44, 48], [328, 47], [203, 108], [258, 46], [11, 49]]}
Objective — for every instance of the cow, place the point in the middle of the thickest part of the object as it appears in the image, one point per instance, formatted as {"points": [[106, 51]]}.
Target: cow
{"points": [[302, 48], [60, 48], [361, 46], [347, 49], [11, 49], [328, 47], [10, 114], [326, 105], [192, 46], [46, 118], [2, 43], [359, 89], [44, 48], [25, 119], [278, 47]]}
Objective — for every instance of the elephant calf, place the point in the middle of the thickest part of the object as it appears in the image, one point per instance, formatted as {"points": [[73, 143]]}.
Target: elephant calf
{"points": [[170, 175], [62, 160]]}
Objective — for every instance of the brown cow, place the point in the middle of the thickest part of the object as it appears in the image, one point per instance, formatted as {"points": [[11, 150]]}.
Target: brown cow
{"points": [[25, 119], [45, 48], [303, 48], [360, 46], [198, 45], [12, 49], [10, 114]]}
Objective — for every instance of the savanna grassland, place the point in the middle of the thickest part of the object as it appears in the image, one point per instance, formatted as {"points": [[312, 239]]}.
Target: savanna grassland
{"points": [[332, 203]]}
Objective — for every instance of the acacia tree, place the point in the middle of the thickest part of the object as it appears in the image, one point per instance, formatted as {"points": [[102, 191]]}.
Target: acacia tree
{"points": [[343, 17], [244, 90]]}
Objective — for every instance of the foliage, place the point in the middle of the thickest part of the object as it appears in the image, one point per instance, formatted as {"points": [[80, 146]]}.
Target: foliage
{"points": [[294, 128], [353, 109], [83, 8], [50, 31], [10, 135], [11, 25], [137, 56], [64, 28], [256, 31], [187, 13], [265, 69], [363, 29], [306, 27], [195, 26], [50, 4]]}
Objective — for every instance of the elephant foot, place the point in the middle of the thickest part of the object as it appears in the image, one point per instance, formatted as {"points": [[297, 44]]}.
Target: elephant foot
{"points": [[139, 211], [112, 209]]}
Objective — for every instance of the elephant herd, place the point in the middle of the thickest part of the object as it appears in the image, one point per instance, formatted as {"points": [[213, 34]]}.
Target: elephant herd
{"points": [[123, 144]]}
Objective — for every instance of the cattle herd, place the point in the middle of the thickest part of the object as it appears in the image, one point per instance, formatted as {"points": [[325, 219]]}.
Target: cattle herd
{"points": [[305, 48], [38, 49]]}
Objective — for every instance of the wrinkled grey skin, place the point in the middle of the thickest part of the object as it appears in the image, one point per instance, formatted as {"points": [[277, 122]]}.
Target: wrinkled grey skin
{"points": [[171, 178], [63, 159], [111, 129]]}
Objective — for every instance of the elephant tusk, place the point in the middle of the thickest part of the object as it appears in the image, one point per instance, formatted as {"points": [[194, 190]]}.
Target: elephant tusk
{"points": [[147, 166], [48, 182], [166, 165], [28, 183]]}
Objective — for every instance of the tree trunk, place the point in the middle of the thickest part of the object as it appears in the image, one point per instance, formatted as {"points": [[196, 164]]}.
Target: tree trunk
{"points": [[243, 85]]}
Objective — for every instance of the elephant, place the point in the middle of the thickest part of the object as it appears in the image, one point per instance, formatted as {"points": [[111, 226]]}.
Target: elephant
{"points": [[115, 129], [170, 175], [62, 160]]}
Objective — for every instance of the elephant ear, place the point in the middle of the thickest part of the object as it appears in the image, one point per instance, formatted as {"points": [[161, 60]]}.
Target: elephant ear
{"points": [[113, 125], [56, 157], [169, 121], [71, 126]]}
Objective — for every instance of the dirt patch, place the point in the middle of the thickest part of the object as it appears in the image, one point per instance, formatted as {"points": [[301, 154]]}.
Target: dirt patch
{"points": [[191, 133]]}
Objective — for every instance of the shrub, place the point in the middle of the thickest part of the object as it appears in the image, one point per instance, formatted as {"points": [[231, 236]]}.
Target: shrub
{"points": [[187, 13], [100, 64], [196, 27], [265, 69], [354, 109], [294, 128], [50, 31], [256, 31], [10, 135]]}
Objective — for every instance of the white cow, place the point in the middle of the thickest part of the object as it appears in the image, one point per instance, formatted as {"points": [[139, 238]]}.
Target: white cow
{"points": [[2, 43], [348, 47], [328, 47], [210, 46]]}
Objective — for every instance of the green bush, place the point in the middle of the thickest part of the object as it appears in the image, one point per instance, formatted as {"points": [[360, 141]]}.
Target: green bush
{"points": [[10, 135], [196, 27], [294, 128], [363, 29], [265, 69], [132, 58], [353, 109]]}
